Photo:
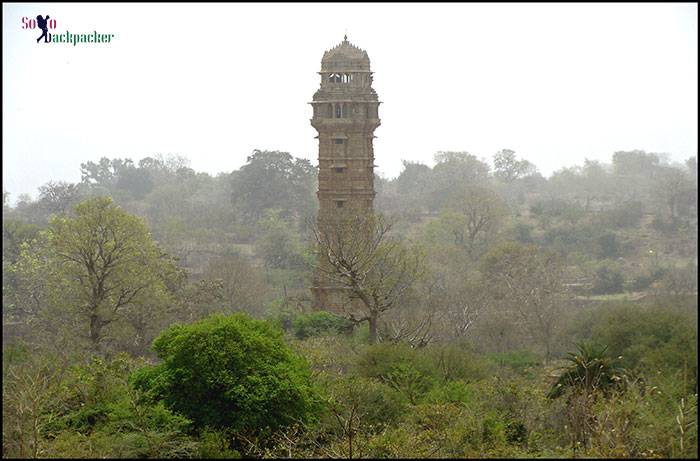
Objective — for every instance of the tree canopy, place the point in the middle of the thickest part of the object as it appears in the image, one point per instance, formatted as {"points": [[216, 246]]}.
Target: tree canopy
{"points": [[230, 372]]}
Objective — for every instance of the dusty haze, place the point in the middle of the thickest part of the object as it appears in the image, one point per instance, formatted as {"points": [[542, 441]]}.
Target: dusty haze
{"points": [[555, 83]]}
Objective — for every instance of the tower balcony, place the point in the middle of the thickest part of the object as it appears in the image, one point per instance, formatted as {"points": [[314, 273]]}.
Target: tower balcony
{"points": [[345, 124]]}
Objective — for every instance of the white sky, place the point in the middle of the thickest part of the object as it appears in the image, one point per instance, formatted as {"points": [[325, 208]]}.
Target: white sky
{"points": [[555, 82]]}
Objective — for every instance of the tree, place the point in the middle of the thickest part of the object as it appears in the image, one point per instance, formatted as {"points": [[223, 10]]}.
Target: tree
{"points": [[635, 163], [415, 323], [58, 197], [200, 299], [18, 301], [463, 300], [160, 168], [675, 190], [101, 265], [455, 168], [273, 179], [230, 372], [413, 186], [278, 244], [608, 279], [679, 281], [508, 168], [528, 280], [97, 173], [137, 181], [596, 182], [357, 252], [479, 213], [243, 286], [14, 234], [360, 407]]}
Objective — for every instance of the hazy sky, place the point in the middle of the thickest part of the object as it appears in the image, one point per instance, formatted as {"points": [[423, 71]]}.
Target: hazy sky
{"points": [[557, 83]]}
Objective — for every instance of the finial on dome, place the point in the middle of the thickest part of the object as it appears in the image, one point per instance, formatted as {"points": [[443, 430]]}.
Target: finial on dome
{"points": [[345, 38]]}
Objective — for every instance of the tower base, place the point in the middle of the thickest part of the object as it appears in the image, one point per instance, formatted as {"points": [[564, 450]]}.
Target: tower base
{"points": [[337, 300]]}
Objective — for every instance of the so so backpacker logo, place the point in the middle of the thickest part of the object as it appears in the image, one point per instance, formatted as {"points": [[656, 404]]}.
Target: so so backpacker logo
{"points": [[47, 25]]}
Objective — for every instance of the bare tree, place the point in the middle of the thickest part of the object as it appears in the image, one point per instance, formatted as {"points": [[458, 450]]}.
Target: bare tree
{"points": [[415, 322], [58, 197], [529, 280], [357, 253], [478, 213], [463, 301], [243, 284]]}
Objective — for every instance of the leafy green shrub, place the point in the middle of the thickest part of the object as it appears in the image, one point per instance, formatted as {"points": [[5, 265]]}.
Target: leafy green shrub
{"points": [[88, 410], [215, 445], [451, 392], [456, 361], [319, 323], [374, 404], [650, 339], [557, 208], [568, 238], [406, 379], [445, 431], [230, 372], [379, 360], [92, 391], [399, 366], [440, 363], [413, 372], [516, 360]]}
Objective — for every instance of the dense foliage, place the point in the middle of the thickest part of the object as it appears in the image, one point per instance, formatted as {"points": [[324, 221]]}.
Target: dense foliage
{"points": [[229, 372], [154, 311]]}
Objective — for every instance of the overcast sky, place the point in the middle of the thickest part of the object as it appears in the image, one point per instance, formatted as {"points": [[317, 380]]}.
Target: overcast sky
{"points": [[556, 83]]}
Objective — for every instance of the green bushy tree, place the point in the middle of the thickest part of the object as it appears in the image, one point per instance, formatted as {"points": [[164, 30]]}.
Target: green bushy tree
{"points": [[230, 372]]}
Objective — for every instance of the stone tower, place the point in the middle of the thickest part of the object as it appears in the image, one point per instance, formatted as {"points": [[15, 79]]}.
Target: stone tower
{"points": [[345, 114]]}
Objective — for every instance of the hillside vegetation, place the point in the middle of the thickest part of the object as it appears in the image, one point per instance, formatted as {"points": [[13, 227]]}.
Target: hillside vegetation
{"points": [[154, 311]]}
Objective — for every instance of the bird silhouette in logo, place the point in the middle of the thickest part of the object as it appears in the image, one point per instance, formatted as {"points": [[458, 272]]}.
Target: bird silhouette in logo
{"points": [[44, 26]]}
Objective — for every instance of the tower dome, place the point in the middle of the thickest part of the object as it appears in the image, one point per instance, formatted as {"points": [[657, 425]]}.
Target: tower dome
{"points": [[345, 57]]}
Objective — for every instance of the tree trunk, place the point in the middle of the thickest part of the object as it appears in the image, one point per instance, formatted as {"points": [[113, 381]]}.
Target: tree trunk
{"points": [[95, 331], [373, 318]]}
